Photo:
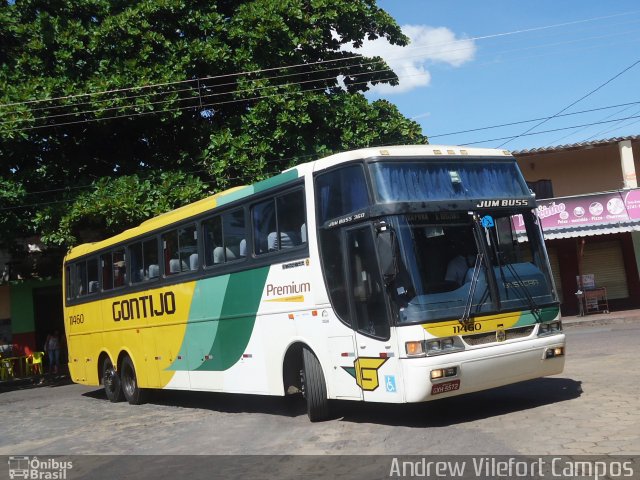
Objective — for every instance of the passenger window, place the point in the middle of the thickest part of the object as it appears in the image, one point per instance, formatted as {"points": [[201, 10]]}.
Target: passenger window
{"points": [[225, 238], [119, 268], [291, 220], [279, 223], [81, 279], [70, 282], [93, 284], [264, 225], [107, 271], [144, 261], [180, 248]]}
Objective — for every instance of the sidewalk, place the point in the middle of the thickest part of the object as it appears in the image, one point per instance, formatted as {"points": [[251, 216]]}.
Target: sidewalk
{"points": [[35, 381], [622, 316]]}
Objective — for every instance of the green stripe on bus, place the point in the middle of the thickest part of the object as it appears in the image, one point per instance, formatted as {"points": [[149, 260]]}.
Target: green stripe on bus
{"points": [[258, 187], [545, 315], [202, 327], [221, 320]]}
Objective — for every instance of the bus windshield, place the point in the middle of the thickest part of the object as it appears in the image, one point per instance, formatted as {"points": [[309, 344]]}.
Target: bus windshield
{"points": [[447, 180], [454, 264]]}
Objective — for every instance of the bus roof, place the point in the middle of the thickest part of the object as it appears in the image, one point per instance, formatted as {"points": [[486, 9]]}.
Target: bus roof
{"points": [[221, 198]]}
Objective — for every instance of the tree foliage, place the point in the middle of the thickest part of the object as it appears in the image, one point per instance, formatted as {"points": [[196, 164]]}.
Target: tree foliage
{"points": [[112, 111]]}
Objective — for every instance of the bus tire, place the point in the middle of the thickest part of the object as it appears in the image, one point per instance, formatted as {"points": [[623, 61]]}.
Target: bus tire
{"points": [[132, 391], [314, 388], [111, 381]]}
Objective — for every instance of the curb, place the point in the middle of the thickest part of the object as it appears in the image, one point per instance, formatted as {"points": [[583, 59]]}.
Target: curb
{"points": [[610, 319]]}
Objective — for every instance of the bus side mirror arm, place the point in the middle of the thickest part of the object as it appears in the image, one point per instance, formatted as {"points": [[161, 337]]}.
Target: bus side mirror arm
{"points": [[387, 252]]}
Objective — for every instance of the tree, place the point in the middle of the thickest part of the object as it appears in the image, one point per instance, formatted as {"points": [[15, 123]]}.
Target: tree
{"points": [[112, 111]]}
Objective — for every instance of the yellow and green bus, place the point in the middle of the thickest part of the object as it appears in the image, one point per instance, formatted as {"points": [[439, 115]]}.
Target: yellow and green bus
{"points": [[396, 274]]}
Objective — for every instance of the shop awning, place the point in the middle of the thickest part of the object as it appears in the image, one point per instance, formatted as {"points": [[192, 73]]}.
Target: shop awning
{"points": [[590, 231], [602, 213]]}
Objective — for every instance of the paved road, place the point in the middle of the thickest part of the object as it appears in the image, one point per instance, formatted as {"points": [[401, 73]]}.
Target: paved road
{"points": [[591, 408]]}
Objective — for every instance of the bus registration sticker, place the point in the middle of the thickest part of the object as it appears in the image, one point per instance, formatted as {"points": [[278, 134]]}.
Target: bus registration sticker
{"points": [[445, 387]]}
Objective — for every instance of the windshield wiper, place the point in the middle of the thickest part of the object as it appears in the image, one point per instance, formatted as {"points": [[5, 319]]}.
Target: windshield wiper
{"points": [[519, 284], [475, 276]]}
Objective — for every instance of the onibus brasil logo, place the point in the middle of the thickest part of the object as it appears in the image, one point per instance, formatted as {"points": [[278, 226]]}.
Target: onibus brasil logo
{"points": [[34, 468]]}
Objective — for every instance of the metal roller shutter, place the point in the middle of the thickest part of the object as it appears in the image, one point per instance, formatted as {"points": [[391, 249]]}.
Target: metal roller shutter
{"points": [[605, 261]]}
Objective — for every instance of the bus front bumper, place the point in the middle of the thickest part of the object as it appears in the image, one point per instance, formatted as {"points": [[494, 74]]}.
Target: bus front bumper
{"points": [[482, 368]]}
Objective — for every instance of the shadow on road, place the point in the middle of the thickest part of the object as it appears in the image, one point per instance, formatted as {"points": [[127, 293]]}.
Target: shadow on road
{"points": [[439, 413], [467, 408]]}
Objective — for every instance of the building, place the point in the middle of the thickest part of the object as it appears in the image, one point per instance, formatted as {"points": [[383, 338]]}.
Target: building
{"points": [[589, 203], [30, 298]]}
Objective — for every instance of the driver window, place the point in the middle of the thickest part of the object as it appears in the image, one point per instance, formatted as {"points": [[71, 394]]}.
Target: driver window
{"points": [[367, 289]]}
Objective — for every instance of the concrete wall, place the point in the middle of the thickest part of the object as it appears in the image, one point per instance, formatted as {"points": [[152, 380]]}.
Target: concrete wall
{"points": [[23, 323], [576, 172]]}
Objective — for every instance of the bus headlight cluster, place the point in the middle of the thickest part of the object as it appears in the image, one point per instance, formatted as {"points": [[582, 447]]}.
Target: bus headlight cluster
{"points": [[550, 328], [437, 346], [441, 346], [554, 352], [444, 372]]}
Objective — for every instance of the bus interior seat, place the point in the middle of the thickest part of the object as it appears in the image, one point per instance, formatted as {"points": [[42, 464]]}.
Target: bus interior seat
{"points": [[93, 286], [193, 261], [243, 248], [303, 233], [287, 240], [174, 265], [154, 271], [218, 254]]}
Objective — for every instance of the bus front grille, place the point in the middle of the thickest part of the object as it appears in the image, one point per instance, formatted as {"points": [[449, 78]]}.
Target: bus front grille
{"points": [[491, 337]]}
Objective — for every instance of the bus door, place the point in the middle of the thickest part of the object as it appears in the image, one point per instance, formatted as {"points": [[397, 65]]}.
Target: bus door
{"points": [[376, 367]]}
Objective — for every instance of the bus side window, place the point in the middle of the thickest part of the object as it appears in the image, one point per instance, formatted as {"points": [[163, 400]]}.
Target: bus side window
{"points": [[291, 218], [264, 223], [281, 224], [81, 279], [107, 271], [119, 268], [144, 261], [93, 285], [233, 229], [188, 248]]}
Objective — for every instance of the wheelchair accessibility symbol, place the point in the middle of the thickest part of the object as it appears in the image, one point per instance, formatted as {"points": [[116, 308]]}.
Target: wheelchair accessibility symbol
{"points": [[487, 221], [390, 383]]}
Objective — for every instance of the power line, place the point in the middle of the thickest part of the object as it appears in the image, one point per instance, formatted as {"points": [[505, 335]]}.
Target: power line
{"points": [[570, 105], [532, 120], [197, 90], [200, 96], [306, 64], [550, 131]]}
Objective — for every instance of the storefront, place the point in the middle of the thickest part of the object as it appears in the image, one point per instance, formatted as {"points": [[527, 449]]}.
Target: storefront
{"points": [[593, 235]]}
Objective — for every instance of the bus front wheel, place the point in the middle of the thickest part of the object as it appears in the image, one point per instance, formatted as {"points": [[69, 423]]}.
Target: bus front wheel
{"points": [[111, 381], [132, 392], [314, 388]]}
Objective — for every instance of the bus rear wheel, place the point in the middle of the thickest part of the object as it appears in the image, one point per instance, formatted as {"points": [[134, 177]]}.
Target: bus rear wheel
{"points": [[314, 388], [111, 381], [132, 392]]}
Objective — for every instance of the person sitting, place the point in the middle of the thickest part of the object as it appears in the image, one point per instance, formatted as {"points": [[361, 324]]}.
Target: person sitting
{"points": [[458, 267]]}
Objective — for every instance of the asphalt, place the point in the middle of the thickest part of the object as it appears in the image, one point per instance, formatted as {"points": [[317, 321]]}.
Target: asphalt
{"points": [[568, 322]]}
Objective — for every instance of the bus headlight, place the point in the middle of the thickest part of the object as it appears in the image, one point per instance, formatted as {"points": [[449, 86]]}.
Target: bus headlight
{"points": [[554, 352], [550, 328], [436, 346], [414, 349], [440, 346]]}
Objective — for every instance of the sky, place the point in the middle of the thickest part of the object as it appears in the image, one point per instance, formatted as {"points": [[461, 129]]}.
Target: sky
{"points": [[473, 65]]}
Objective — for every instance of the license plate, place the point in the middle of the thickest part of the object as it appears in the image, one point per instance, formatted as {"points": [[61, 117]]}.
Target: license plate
{"points": [[445, 387]]}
